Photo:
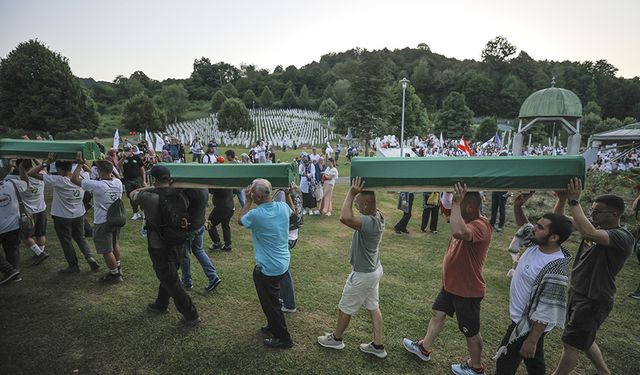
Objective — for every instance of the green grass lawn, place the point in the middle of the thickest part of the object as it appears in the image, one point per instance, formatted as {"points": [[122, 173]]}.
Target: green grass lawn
{"points": [[64, 324]]}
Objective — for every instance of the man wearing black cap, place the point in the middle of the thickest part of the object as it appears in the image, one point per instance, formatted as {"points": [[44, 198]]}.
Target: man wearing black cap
{"points": [[165, 257], [133, 174]]}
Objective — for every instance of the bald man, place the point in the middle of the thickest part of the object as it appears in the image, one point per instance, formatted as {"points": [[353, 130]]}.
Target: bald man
{"points": [[269, 224], [361, 288]]}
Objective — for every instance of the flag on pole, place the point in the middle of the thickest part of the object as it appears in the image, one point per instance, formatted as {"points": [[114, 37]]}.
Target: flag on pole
{"points": [[159, 143], [441, 140], [497, 140], [147, 137], [116, 139], [464, 146]]}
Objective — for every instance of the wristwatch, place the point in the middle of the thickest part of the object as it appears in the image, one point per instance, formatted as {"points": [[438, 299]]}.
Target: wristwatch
{"points": [[574, 202]]}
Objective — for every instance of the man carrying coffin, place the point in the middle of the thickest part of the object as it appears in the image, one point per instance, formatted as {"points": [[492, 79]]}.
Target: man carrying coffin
{"points": [[463, 282]]}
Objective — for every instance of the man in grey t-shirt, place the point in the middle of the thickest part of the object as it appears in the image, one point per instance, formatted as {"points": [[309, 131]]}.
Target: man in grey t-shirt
{"points": [[362, 284]]}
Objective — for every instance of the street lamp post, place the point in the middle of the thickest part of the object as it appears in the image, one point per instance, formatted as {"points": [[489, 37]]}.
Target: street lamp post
{"points": [[404, 83]]}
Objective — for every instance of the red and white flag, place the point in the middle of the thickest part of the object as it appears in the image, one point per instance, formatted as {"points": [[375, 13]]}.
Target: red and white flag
{"points": [[464, 146]]}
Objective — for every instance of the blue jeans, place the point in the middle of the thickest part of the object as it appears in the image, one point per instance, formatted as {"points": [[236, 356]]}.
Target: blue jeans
{"points": [[193, 244], [286, 291], [240, 195]]}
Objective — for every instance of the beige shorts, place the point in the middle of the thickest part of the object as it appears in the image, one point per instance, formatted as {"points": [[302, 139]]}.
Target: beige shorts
{"points": [[360, 289]]}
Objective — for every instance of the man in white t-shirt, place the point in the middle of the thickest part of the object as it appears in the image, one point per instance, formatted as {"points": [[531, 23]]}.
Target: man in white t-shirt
{"points": [[35, 204], [106, 190], [537, 297], [10, 225], [67, 211]]}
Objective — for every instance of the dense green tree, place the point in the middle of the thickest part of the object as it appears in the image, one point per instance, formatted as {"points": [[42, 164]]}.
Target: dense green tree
{"points": [[141, 113], [340, 91], [303, 99], [629, 120], [416, 121], [38, 92], [266, 97], [421, 76], [513, 94], [234, 117], [175, 101], [289, 99], [216, 101], [479, 91], [229, 90], [364, 111], [488, 128], [328, 107], [454, 120], [249, 99], [590, 121], [498, 50], [592, 107]]}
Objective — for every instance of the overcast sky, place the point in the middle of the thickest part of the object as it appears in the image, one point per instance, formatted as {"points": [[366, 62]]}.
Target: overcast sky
{"points": [[103, 39]]}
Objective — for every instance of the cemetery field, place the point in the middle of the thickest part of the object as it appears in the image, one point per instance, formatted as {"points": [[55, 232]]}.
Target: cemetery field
{"points": [[61, 324]]}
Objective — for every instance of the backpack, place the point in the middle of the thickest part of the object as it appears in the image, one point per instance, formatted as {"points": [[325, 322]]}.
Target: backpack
{"points": [[115, 214], [174, 216]]}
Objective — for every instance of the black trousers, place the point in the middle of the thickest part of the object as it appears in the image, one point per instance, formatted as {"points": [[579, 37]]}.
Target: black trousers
{"points": [[165, 264], [69, 230], [508, 363], [431, 212], [222, 217], [10, 242], [498, 204], [131, 185], [268, 289]]}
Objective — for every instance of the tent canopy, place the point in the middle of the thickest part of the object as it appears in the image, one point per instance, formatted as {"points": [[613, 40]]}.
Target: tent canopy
{"points": [[627, 133]]}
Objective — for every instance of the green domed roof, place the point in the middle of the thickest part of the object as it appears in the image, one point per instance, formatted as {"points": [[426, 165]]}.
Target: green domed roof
{"points": [[551, 102]]}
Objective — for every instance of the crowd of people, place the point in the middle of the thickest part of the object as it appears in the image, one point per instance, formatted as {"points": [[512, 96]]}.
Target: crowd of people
{"points": [[542, 296]]}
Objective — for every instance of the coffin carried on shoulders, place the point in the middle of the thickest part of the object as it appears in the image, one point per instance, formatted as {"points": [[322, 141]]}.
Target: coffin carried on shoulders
{"points": [[31, 149], [230, 175], [478, 173]]}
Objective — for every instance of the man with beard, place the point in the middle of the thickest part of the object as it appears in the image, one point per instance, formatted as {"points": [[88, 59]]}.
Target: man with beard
{"points": [[601, 255], [537, 298]]}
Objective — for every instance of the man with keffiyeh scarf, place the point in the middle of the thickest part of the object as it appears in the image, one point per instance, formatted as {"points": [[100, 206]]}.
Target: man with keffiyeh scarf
{"points": [[537, 299]]}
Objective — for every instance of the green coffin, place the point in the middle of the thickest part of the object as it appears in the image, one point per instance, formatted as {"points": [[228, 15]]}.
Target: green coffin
{"points": [[479, 173], [64, 150], [230, 175]]}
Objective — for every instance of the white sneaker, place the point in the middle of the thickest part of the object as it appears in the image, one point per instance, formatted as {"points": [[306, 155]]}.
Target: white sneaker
{"points": [[329, 342], [465, 369], [135, 216], [316, 213], [328, 214], [289, 311], [369, 348]]}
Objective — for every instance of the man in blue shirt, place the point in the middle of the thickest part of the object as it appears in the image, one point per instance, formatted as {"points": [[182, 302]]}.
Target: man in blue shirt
{"points": [[269, 224]]}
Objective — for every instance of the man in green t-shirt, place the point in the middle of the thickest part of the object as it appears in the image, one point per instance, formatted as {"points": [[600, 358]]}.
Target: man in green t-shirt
{"points": [[361, 287]]}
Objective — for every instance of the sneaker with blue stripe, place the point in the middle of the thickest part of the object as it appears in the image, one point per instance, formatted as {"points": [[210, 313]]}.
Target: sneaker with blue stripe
{"points": [[414, 347]]}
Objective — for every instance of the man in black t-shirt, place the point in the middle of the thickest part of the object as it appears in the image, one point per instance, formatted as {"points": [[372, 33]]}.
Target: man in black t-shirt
{"points": [[133, 174], [602, 253]]}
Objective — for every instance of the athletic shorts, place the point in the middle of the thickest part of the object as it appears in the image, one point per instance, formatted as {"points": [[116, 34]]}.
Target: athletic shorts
{"points": [[360, 289], [39, 225], [584, 318], [105, 237], [467, 310]]}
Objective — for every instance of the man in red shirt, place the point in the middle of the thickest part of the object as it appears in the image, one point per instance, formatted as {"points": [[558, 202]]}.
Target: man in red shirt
{"points": [[463, 285]]}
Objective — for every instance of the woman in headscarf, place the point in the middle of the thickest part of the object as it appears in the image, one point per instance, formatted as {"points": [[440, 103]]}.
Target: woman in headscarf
{"points": [[307, 173]]}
